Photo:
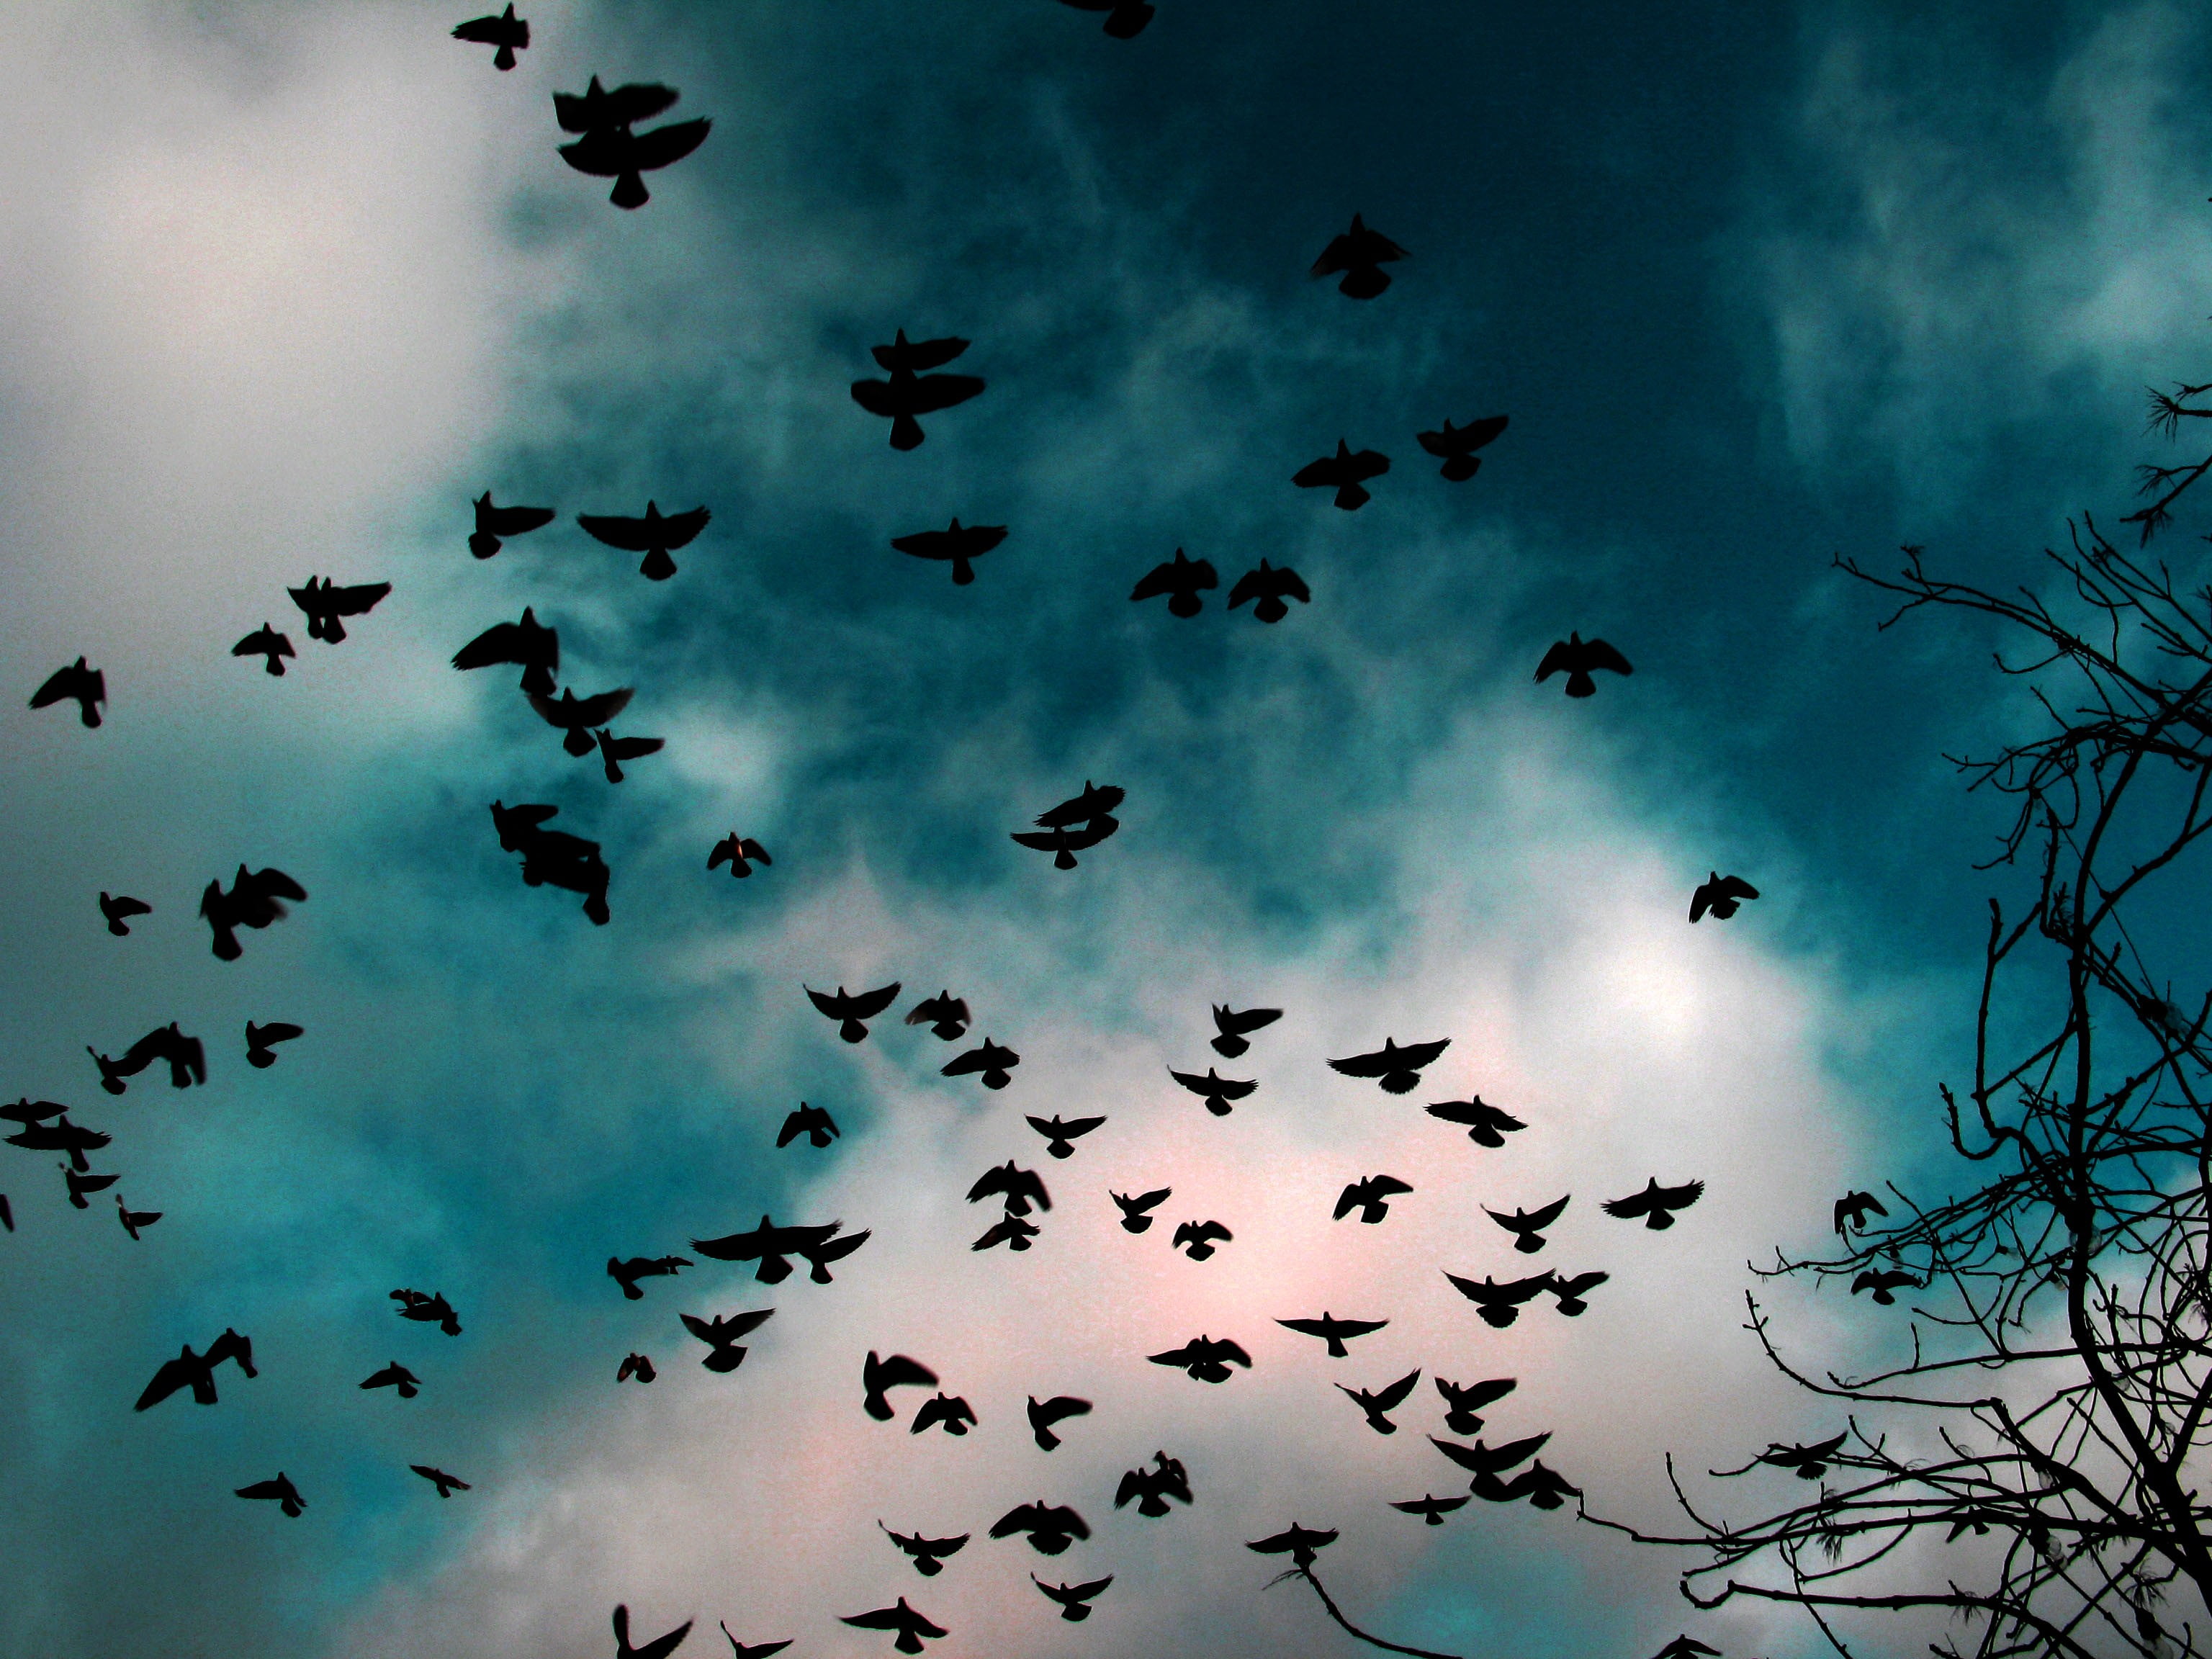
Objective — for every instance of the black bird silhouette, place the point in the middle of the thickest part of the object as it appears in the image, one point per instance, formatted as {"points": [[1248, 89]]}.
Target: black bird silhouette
{"points": [[613, 751], [769, 1245], [758, 1650], [507, 32], [79, 1184], [1545, 1489], [720, 1334], [1074, 1599], [1431, 1508], [1382, 1400], [1152, 1488], [259, 1052], [1852, 1210], [927, 1554], [27, 1111], [1456, 445], [1577, 657], [911, 1627], [878, 1375], [611, 151], [7, 1215], [1570, 1289], [1657, 1204], [812, 1121], [995, 1062], [1182, 579], [1020, 1187], [1043, 1413], [1486, 1126], [1492, 1461], [1810, 1462], [431, 1308], [326, 604], [1370, 1197], [281, 1490], [1062, 1134], [1883, 1283], [1398, 1070], [1463, 1401], [1051, 1527], [62, 1136], [268, 645], [1297, 1542], [528, 645], [740, 853], [1684, 1647], [853, 1010], [946, 1015], [637, 1365], [954, 1413], [652, 535], [819, 1254], [1232, 1025], [1200, 1237], [597, 110], [186, 1057], [494, 524], [86, 687], [1270, 584], [1064, 841], [627, 1274], [1360, 254], [553, 857], [1346, 472], [132, 1219], [1207, 1358], [1094, 805], [196, 1371], [1720, 895], [1125, 21], [910, 392], [120, 910], [576, 716], [1216, 1091], [256, 898], [1528, 1226], [447, 1484], [1136, 1216], [1333, 1330], [659, 1648], [958, 543], [1500, 1304], [396, 1377]]}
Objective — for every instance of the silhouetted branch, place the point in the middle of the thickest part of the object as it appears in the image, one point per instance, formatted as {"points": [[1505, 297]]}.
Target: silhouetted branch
{"points": [[1350, 1629]]}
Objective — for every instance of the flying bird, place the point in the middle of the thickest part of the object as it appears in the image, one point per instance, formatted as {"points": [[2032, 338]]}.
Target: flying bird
{"points": [[994, 1061], [268, 645], [598, 110], [1299, 1543], [1378, 1401], [1685, 1647], [1578, 658], [1074, 1599], [256, 898], [879, 1375], [652, 535], [1270, 584], [1570, 1288], [1528, 1226], [853, 1010], [1200, 1237], [1152, 1488], [1333, 1330], [958, 543], [1182, 579], [1216, 1091], [396, 1377], [86, 687], [1051, 1527], [7, 1215], [447, 1484], [1207, 1358], [1346, 472], [637, 1365], [1456, 445], [1657, 1204], [132, 1219], [951, 1410], [1720, 895], [1544, 1488], [1232, 1026], [1064, 841], [927, 1554], [1486, 1126], [259, 1054], [911, 1627], [576, 717], [1125, 21], [1431, 1508], [1058, 1409], [910, 392], [1463, 1401], [1500, 1304], [1810, 1462], [613, 151], [758, 1650], [1370, 1197], [1360, 254], [27, 1111], [1883, 1284], [428, 1309], [196, 1371], [740, 853], [1493, 1460], [720, 1334], [507, 32], [946, 1015], [771, 1246], [79, 1184], [281, 1490], [495, 524], [1852, 1210], [326, 604], [1136, 1216], [1060, 1134], [185, 1056], [659, 1648], [812, 1121], [1398, 1070], [528, 645], [120, 910], [820, 1253], [1020, 1187], [553, 857], [1009, 1230], [627, 1274], [1094, 804], [63, 1136]]}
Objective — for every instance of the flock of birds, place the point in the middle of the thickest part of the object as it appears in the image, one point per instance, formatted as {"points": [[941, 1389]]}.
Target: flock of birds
{"points": [[606, 144]]}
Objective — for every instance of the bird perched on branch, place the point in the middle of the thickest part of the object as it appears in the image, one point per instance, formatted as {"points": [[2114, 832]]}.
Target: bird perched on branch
{"points": [[1060, 1134], [654, 536], [1720, 895], [1152, 1488], [1398, 1070], [993, 1062], [877, 1377], [1207, 1358], [1456, 445], [720, 1334], [396, 1377], [910, 392], [659, 1648], [280, 1491], [1182, 579], [1233, 1026], [1074, 1599], [740, 853], [1852, 1210], [447, 1484], [1578, 658], [1124, 19], [609, 150], [120, 910], [1486, 1126], [911, 1627], [495, 524], [1370, 1197], [196, 1371], [1656, 1203], [326, 604], [958, 543], [852, 1011], [1463, 1401], [946, 1015], [507, 32], [430, 1308], [1346, 472], [1051, 1527], [951, 1413], [1044, 1414], [86, 687], [927, 1554], [260, 1053], [812, 1121], [1334, 1331], [1360, 254], [1500, 1304], [1136, 1216], [256, 899], [1270, 584], [268, 644], [528, 645], [1197, 1239], [1528, 1226], [1379, 1400], [1216, 1091]]}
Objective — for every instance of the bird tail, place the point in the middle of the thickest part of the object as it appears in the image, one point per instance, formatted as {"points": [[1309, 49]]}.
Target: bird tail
{"points": [[629, 191], [579, 742], [503, 59], [658, 566], [906, 432], [483, 546], [539, 678], [1460, 468]]}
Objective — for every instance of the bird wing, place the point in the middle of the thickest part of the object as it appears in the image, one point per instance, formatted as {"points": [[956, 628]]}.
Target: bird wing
{"points": [[1571, 1285], [916, 356], [1349, 1199], [483, 31], [599, 710], [1020, 1519], [1392, 1397], [1559, 660], [1596, 653], [501, 642], [279, 1030], [1032, 1186], [1307, 1327], [934, 392], [1736, 887], [1383, 1186], [1334, 258], [1636, 1204], [1414, 1055], [866, 1005], [1373, 1065], [899, 1371], [1680, 1198], [1160, 579], [663, 145], [1144, 1201], [733, 1247], [355, 601], [997, 1179], [1240, 1023], [174, 1374], [1368, 464], [678, 529], [1250, 585], [1060, 1407], [1537, 1220], [1323, 474], [661, 1646], [630, 535], [1438, 445], [517, 520]]}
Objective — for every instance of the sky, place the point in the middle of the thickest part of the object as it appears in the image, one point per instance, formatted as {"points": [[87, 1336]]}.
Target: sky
{"points": [[284, 287]]}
